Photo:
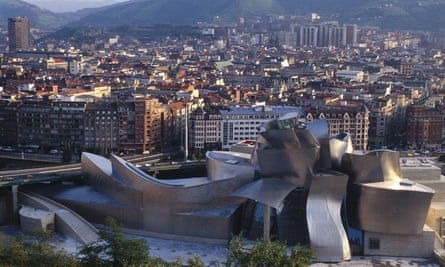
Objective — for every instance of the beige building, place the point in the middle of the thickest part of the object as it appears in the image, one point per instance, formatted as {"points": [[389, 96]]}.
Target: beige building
{"points": [[343, 117], [387, 121]]}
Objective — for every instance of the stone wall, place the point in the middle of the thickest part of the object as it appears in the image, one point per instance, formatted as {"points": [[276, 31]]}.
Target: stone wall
{"points": [[420, 245]]}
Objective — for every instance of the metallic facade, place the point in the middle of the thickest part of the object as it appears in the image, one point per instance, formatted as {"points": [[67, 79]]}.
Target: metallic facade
{"points": [[290, 156], [379, 200], [326, 231], [197, 207]]}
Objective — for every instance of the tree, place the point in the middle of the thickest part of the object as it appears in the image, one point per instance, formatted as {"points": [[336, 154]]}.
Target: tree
{"points": [[34, 250], [267, 253], [114, 249]]}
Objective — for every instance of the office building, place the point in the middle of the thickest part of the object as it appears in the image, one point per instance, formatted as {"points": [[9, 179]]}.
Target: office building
{"points": [[18, 34]]}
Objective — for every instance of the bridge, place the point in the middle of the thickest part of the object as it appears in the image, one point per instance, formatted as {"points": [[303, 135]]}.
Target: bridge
{"points": [[61, 172], [170, 166]]}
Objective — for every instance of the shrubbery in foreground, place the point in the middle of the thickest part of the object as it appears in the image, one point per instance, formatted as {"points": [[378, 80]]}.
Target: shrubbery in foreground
{"points": [[115, 249]]}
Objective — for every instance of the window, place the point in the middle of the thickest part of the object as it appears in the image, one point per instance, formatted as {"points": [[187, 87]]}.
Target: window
{"points": [[374, 243]]}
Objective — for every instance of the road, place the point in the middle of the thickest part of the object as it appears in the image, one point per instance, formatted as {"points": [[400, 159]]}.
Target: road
{"points": [[51, 173]]}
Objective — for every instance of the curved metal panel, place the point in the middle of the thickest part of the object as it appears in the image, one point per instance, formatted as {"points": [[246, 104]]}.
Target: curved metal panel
{"points": [[227, 165], [378, 200], [391, 207], [326, 232], [171, 207], [269, 191], [375, 166], [291, 153], [338, 146]]}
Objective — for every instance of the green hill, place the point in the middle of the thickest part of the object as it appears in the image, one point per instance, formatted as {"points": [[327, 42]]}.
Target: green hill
{"points": [[387, 14], [39, 18]]}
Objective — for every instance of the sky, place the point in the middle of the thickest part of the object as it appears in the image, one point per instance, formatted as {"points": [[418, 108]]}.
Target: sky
{"points": [[70, 5]]}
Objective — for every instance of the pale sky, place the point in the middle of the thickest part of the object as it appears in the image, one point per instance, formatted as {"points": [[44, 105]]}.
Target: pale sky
{"points": [[71, 5]]}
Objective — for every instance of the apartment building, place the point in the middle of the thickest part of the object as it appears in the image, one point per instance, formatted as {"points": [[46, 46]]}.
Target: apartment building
{"points": [[387, 121], [51, 123], [8, 122], [342, 117], [204, 130], [101, 126], [241, 123], [425, 126]]}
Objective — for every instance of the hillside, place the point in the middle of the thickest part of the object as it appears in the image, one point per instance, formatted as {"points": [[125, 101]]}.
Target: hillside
{"points": [[387, 14], [39, 18]]}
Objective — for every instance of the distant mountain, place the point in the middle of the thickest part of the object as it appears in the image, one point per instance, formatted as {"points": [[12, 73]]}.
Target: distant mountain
{"points": [[39, 18], [388, 14]]}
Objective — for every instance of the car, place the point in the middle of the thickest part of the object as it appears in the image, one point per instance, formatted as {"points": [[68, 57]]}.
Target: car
{"points": [[29, 176], [6, 178]]}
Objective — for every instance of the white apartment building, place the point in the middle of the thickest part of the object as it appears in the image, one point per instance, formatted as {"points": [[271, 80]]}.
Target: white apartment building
{"points": [[241, 123], [204, 130]]}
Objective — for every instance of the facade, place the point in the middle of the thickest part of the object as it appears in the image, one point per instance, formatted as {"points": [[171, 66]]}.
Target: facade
{"points": [[309, 35], [319, 35], [134, 124], [241, 123], [387, 122], [51, 124], [101, 126], [425, 127], [177, 128], [351, 34], [204, 130], [353, 119], [8, 122], [151, 124], [19, 34]]}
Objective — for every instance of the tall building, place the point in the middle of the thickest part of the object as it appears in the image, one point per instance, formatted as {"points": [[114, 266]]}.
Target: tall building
{"points": [[205, 130], [101, 126], [309, 36], [19, 34], [351, 34]]}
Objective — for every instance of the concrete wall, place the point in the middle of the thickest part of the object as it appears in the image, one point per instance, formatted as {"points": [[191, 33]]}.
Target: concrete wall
{"points": [[32, 220], [419, 173], [435, 214], [421, 245]]}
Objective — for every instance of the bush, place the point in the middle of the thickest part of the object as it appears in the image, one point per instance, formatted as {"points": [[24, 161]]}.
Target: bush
{"points": [[114, 249], [33, 250], [441, 260], [268, 253]]}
